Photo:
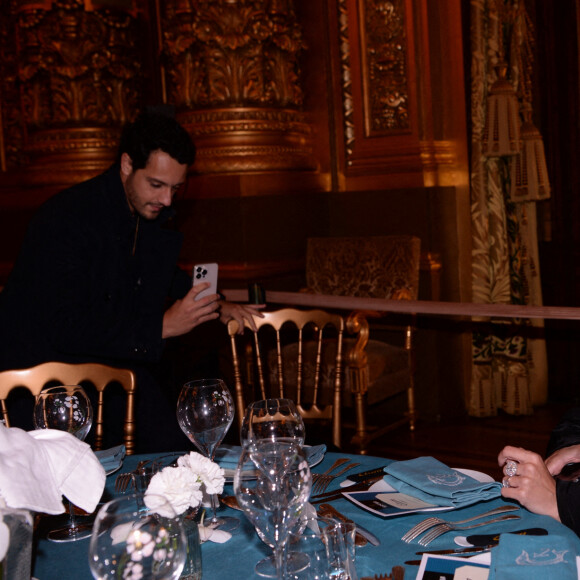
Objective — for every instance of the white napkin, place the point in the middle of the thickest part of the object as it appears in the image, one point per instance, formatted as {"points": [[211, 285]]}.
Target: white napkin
{"points": [[38, 467]]}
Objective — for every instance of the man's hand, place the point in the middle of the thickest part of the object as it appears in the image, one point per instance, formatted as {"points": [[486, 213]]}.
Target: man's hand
{"points": [[240, 312], [532, 484], [187, 313], [562, 457]]}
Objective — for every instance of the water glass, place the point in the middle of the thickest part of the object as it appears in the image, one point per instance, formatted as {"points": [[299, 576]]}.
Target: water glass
{"points": [[340, 550], [309, 540], [130, 542]]}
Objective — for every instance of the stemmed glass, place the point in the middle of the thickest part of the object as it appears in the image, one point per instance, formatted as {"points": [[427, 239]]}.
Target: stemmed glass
{"points": [[272, 484], [205, 411], [129, 541], [275, 419], [66, 408]]}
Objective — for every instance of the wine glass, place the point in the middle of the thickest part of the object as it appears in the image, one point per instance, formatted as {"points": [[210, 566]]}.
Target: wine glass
{"points": [[205, 411], [66, 408], [275, 419], [131, 542], [272, 484]]}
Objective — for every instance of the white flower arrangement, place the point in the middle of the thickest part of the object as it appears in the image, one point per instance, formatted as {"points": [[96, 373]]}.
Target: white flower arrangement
{"points": [[183, 486]]}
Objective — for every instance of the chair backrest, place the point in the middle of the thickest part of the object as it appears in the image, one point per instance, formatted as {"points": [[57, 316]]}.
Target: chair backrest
{"points": [[290, 354], [99, 375], [366, 267]]}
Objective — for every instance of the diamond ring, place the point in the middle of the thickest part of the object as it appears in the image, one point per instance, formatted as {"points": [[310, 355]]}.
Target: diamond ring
{"points": [[510, 468], [505, 482]]}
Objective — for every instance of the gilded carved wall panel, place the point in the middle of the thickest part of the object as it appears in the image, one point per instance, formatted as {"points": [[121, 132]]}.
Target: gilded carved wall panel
{"points": [[384, 41]]}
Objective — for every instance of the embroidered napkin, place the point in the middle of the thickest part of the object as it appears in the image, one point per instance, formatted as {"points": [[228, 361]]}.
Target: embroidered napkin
{"points": [[111, 459], [38, 467], [428, 479], [550, 557]]}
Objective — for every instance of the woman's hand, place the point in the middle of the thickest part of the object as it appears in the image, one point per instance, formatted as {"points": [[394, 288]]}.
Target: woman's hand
{"points": [[531, 484]]}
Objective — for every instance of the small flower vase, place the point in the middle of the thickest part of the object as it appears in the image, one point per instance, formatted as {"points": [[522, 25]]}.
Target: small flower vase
{"points": [[192, 568]]}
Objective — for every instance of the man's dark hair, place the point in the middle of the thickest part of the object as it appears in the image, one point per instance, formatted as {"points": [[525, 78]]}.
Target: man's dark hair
{"points": [[154, 131]]}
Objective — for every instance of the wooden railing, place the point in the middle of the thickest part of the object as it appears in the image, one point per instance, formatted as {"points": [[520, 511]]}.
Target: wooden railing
{"points": [[458, 309]]}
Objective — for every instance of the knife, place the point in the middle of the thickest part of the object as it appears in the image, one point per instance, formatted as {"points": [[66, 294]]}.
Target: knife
{"points": [[366, 475], [493, 539], [328, 510]]}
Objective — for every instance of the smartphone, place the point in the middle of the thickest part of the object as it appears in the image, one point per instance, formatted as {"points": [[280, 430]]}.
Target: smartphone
{"points": [[205, 273]]}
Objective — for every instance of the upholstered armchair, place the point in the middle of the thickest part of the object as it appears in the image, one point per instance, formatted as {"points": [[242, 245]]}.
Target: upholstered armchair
{"points": [[371, 267]]}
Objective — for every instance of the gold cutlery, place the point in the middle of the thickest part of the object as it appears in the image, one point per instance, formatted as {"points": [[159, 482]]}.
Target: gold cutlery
{"points": [[323, 482], [328, 511], [398, 573], [335, 465], [122, 482], [231, 502]]}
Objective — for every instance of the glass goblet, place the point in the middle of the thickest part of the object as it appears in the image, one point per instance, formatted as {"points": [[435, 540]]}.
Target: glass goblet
{"points": [[272, 484], [129, 541], [66, 408], [275, 419], [205, 412]]}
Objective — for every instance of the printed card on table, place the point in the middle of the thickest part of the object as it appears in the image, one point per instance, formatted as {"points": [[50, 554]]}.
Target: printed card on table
{"points": [[435, 567], [391, 503]]}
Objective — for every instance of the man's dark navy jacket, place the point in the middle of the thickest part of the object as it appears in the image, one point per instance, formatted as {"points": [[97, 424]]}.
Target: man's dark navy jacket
{"points": [[91, 281]]}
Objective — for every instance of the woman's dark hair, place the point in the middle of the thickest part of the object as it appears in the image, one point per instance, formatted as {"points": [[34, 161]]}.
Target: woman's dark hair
{"points": [[155, 131]]}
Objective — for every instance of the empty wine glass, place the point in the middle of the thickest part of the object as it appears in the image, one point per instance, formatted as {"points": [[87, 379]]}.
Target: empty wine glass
{"points": [[275, 419], [205, 411], [272, 484], [66, 408], [131, 542]]}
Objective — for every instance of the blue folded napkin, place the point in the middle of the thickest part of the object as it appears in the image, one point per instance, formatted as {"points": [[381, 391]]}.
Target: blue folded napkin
{"points": [[550, 557], [111, 459], [428, 479], [227, 456]]}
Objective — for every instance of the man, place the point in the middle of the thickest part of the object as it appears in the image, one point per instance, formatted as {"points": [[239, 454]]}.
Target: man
{"points": [[545, 487], [97, 267]]}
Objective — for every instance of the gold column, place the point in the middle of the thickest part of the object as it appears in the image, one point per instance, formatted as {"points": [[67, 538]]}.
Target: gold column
{"points": [[79, 76], [231, 68]]}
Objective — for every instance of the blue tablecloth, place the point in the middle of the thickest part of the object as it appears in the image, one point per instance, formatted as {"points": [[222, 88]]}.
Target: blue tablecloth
{"points": [[236, 558]]}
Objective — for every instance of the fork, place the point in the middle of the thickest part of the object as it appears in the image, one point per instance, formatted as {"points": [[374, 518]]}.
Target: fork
{"points": [[443, 528], [424, 525], [337, 463], [323, 482], [122, 482]]}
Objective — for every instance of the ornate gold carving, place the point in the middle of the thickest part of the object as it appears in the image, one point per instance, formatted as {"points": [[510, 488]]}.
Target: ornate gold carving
{"points": [[232, 53], [78, 69], [384, 42], [11, 126], [232, 71], [249, 139], [347, 101]]}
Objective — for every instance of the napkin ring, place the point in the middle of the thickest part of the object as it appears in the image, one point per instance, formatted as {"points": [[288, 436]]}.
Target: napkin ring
{"points": [[510, 468], [505, 482]]}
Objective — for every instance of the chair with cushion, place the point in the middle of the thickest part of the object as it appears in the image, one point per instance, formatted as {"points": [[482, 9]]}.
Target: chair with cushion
{"points": [[99, 375], [370, 267], [294, 354]]}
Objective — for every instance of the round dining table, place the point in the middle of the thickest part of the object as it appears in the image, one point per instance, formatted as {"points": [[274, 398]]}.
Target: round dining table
{"points": [[237, 557]]}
